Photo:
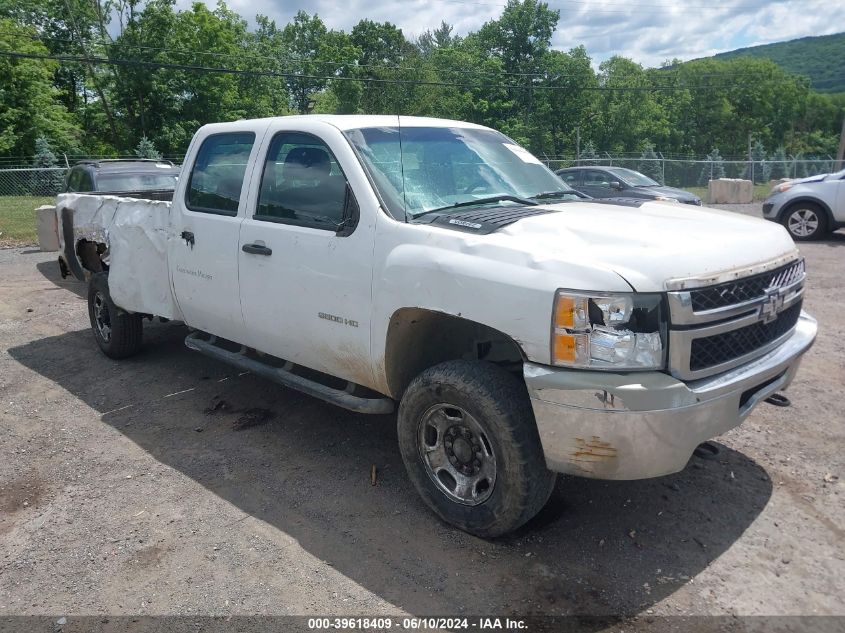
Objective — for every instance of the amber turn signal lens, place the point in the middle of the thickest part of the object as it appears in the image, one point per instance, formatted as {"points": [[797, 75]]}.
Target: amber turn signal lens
{"points": [[564, 351], [565, 313]]}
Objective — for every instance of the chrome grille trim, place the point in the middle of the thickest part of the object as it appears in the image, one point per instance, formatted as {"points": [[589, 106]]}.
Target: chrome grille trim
{"points": [[782, 291], [712, 279]]}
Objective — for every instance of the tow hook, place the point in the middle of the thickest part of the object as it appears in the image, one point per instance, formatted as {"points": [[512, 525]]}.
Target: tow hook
{"points": [[779, 400], [707, 450]]}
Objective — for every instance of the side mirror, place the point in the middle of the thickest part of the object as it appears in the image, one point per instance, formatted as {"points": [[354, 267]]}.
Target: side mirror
{"points": [[616, 185]]}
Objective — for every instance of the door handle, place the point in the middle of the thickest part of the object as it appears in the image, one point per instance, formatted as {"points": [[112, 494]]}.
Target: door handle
{"points": [[256, 249]]}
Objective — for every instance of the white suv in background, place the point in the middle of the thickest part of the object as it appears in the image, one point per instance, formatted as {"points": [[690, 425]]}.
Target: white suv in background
{"points": [[809, 208]]}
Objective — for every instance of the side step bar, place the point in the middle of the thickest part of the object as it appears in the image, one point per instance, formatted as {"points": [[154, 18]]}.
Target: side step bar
{"points": [[284, 376]]}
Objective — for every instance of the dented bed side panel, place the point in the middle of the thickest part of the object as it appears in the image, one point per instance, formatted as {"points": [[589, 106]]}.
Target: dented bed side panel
{"points": [[136, 234]]}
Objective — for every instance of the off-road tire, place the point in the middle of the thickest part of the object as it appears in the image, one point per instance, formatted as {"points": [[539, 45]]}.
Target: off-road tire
{"points": [[791, 220], [500, 403], [125, 329]]}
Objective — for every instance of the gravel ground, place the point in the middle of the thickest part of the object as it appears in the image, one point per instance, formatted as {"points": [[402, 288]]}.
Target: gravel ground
{"points": [[171, 484]]}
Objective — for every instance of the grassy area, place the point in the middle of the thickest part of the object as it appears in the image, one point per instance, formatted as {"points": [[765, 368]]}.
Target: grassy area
{"points": [[17, 219], [761, 192]]}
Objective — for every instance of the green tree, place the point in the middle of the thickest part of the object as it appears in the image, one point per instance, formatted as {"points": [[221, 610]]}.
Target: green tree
{"points": [[44, 155], [626, 117], [780, 164], [588, 152], [761, 169], [650, 163], [29, 104], [713, 169], [441, 37], [520, 38], [387, 62], [147, 149], [564, 101]]}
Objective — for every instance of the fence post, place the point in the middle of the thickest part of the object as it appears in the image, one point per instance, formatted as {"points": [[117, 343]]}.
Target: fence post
{"points": [[610, 158]]}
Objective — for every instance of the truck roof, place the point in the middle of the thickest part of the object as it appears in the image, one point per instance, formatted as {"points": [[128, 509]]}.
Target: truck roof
{"points": [[354, 121]]}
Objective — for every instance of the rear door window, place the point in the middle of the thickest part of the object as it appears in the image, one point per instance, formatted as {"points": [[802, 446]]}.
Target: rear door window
{"points": [[217, 175]]}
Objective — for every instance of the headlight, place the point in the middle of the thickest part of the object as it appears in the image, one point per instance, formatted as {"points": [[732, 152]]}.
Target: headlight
{"points": [[782, 187], [666, 199], [608, 331]]}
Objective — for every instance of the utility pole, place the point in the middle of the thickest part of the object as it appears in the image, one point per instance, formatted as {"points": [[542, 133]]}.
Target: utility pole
{"points": [[840, 155], [578, 146], [750, 159]]}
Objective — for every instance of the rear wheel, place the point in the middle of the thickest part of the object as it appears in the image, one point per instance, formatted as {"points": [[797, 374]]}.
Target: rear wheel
{"points": [[117, 332], [805, 221], [470, 445]]}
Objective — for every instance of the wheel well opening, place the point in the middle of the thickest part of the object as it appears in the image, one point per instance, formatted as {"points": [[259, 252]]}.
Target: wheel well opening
{"points": [[418, 339], [90, 255], [789, 208]]}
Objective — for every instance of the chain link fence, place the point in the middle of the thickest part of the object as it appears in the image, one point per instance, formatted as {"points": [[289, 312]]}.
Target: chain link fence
{"points": [[32, 181], [19, 178], [674, 172], [686, 173]]}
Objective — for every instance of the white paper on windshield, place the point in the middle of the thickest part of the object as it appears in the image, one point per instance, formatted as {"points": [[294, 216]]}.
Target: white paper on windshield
{"points": [[524, 155]]}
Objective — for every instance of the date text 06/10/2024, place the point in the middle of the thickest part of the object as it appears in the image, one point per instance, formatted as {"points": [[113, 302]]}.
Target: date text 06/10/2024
{"points": [[417, 624]]}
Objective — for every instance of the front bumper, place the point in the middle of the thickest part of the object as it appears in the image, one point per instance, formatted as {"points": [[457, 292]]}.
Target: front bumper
{"points": [[772, 206], [647, 424]]}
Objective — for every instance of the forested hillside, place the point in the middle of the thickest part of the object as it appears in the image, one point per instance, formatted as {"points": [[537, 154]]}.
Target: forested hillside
{"points": [[821, 59], [87, 81]]}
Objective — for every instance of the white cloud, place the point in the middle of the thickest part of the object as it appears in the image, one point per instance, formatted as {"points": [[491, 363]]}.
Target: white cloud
{"points": [[648, 31]]}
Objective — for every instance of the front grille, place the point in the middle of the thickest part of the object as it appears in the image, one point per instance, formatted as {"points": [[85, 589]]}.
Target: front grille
{"points": [[722, 348], [742, 290]]}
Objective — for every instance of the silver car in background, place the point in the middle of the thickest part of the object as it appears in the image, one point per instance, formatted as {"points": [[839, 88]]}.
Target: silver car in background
{"points": [[809, 208]]}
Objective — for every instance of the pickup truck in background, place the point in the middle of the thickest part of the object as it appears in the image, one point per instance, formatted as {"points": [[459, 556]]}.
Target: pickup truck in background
{"points": [[522, 330]]}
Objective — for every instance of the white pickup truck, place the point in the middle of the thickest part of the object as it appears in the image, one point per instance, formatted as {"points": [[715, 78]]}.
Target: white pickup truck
{"points": [[522, 329]]}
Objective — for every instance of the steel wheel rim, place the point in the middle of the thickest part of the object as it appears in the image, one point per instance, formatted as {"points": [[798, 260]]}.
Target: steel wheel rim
{"points": [[457, 454], [102, 318], [803, 222]]}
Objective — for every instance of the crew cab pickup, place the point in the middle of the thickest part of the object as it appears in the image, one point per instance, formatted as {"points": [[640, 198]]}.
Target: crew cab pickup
{"points": [[438, 267]]}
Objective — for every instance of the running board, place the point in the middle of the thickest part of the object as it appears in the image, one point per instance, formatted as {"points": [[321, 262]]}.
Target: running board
{"points": [[284, 376]]}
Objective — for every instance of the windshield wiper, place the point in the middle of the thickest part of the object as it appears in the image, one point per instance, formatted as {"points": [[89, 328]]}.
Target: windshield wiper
{"points": [[489, 199], [547, 195]]}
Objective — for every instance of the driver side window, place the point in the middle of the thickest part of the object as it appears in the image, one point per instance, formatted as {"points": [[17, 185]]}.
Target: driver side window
{"points": [[303, 184], [597, 179]]}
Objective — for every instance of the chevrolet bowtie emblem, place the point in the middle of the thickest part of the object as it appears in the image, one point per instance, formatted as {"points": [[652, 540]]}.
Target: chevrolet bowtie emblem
{"points": [[772, 305]]}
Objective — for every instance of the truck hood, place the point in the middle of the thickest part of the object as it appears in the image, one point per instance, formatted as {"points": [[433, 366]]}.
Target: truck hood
{"points": [[652, 244]]}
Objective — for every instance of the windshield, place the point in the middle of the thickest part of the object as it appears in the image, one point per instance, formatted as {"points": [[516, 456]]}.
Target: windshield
{"points": [[439, 168], [135, 182], [633, 178]]}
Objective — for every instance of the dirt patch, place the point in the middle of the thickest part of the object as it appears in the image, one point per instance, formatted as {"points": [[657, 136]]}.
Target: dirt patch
{"points": [[150, 556], [17, 496], [252, 418], [20, 494]]}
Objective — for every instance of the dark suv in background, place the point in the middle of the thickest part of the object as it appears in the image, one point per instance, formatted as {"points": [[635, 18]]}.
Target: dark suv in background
{"points": [[122, 175], [618, 182]]}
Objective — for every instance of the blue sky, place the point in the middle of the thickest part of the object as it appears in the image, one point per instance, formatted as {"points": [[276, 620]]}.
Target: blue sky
{"points": [[649, 31]]}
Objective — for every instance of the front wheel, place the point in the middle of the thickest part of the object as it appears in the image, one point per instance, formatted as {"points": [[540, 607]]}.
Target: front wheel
{"points": [[117, 332], [805, 221], [470, 445]]}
